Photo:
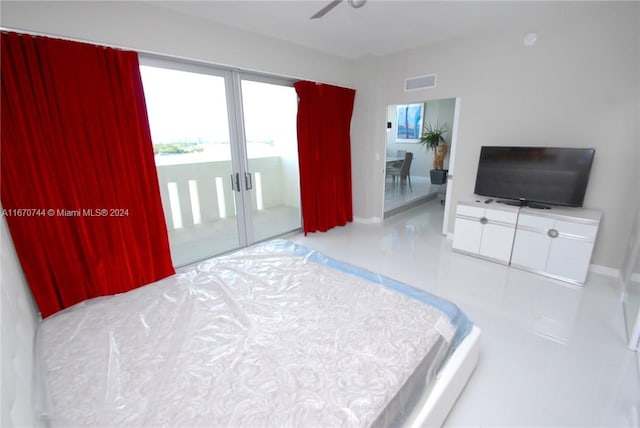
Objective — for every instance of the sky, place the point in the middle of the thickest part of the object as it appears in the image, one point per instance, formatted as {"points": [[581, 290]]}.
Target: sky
{"points": [[185, 106]]}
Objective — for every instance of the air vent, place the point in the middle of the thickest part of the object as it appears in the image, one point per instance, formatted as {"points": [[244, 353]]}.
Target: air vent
{"points": [[420, 82]]}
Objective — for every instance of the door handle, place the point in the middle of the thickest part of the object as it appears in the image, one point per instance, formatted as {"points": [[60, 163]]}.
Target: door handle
{"points": [[248, 181], [235, 182]]}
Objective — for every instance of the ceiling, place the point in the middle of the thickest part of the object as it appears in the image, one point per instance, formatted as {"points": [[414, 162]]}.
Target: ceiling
{"points": [[380, 27]]}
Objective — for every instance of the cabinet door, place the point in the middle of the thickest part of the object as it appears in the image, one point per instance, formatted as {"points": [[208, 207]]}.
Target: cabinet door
{"points": [[497, 241], [530, 250], [569, 258], [467, 235]]}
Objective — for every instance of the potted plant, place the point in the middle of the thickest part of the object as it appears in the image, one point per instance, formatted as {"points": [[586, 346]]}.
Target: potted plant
{"points": [[433, 138]]}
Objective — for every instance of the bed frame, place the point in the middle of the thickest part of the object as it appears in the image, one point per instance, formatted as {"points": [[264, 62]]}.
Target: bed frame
{"points": [[435, 404]]}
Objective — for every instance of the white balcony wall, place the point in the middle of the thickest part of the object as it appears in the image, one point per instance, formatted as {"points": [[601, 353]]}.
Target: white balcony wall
{"points": [[275, 180], [280, 187], [290, 180]]}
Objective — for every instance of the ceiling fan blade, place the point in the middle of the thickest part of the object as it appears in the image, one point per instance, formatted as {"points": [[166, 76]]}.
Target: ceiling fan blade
{"points": [[322, 12]]}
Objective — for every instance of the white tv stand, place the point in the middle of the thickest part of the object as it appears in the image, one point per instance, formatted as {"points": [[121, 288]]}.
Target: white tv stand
{"points": [[556, 242]]}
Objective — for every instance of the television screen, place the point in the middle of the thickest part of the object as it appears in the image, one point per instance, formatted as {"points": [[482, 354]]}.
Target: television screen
{"points": [[547, 175]]}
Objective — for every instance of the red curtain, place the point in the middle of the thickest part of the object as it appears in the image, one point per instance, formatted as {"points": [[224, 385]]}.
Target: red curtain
{"points": [[79, 187], [324, 152]]}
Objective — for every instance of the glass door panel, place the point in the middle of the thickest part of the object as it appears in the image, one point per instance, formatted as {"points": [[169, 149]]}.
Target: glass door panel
{"points": [[272, 158], [189, 124]]}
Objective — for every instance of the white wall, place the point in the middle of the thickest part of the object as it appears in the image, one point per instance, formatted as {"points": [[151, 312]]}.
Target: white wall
{"points": [[577, 87], [19, 321], [368, 131]]}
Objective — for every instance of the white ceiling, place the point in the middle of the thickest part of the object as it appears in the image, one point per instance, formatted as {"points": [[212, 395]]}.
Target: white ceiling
{"points": [[380, 27]]}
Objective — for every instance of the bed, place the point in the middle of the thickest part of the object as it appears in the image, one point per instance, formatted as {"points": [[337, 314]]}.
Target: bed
{"points": [[271, 335]]}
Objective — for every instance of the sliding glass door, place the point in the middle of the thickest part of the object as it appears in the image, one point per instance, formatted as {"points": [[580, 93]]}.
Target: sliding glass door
{"points": [[226, 160], [272, 157]]}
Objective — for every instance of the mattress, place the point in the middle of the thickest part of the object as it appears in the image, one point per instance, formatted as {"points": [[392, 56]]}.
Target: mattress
{"points": [[271, 335]]}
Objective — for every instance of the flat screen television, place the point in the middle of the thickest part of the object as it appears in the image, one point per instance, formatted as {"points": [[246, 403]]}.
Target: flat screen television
{"points": [[534, 176]]}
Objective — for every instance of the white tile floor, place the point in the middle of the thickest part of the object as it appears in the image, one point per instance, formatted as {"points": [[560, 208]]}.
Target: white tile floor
{"points": [[552, 354]]}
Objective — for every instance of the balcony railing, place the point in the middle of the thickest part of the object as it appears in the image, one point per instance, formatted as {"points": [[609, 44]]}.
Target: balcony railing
{"points": [[200, 193]]}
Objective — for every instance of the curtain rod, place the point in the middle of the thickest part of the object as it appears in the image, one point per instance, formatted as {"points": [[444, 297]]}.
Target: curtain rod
{"points": [[5, 29], [159, 55], [147, 53], [57, 36]]}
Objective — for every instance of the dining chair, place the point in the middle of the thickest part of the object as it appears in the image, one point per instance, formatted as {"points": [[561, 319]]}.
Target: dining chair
{"points": [[403, 172]]}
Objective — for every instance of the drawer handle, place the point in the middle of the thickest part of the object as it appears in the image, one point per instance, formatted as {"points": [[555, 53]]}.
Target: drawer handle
{"points": [[484, 220], [553, 233]]}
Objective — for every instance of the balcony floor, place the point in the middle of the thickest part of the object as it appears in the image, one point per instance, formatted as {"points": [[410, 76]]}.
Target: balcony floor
{"points": [[201, 241]]}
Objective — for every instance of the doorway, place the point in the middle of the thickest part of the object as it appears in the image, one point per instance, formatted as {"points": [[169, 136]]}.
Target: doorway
{"points": [[405, 126], [225, 147]]}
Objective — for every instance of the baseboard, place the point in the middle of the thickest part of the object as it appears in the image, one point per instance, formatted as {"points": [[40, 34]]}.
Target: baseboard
{"points": [[370, 220], [606, 271]]}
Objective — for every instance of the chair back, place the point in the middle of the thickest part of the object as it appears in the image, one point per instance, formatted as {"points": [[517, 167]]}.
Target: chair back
{"points": [[406, 164]]}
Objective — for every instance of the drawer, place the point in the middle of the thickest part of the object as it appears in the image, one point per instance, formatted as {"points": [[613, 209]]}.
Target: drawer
{"points": [[544, 224], [469, 211], [535, 222], [501, 216], [578, 229]]}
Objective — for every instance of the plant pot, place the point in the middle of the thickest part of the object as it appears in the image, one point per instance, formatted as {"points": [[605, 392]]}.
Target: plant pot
{"points": [[439, 176], [439, 154]]}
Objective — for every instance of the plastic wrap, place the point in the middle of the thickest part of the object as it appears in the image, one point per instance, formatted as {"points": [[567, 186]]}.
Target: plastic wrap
{"points": [[272, 335]]}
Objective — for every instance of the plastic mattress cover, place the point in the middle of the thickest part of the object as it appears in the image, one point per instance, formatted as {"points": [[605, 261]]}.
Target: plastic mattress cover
{"points": [[271, 335]]}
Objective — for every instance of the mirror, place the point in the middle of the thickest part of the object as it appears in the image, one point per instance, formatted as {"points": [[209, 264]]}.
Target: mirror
{"points": [[631, 287], [405, 123]]}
